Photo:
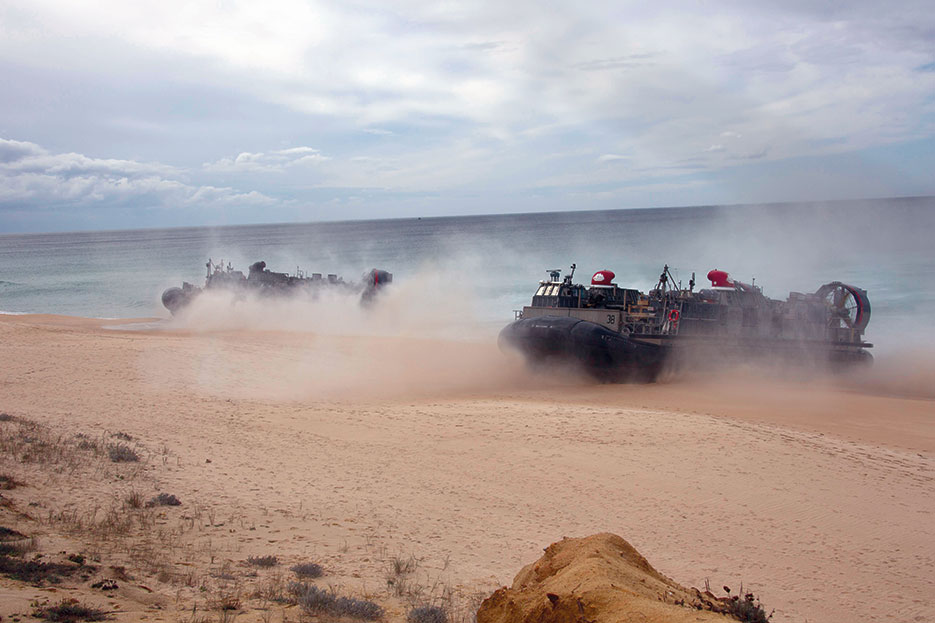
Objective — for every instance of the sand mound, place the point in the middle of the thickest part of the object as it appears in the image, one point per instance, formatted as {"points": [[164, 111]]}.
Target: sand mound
{"points": [[596, 578]]}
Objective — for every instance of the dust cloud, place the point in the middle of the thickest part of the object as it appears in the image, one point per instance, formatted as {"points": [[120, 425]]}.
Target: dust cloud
{"points": [[899, 371], [420, 337], [420, 340], [434, 329], [884, 249], [909, 373]]}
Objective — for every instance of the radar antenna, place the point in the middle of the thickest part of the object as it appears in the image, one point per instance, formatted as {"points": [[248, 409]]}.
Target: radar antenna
{"points": [[666, 281]]}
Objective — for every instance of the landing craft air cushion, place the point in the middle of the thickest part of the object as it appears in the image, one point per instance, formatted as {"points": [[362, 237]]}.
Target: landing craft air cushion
{"points": [[265, 283], [618, 333]]}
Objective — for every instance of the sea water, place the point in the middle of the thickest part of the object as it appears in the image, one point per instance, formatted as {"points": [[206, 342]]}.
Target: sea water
{"points": [[495, 261]]}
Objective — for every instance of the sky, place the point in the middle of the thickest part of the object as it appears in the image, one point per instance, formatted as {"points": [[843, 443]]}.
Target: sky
{"points": [[117, 114]]}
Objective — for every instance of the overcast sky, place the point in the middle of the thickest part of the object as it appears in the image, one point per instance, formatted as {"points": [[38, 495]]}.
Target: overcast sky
{"points": [[121, 114]]}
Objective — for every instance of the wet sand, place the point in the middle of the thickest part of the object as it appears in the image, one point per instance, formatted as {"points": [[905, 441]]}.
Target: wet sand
{"points": [[354, 450]]}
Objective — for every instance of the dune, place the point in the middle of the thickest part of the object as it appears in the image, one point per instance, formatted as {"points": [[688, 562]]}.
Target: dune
{"points": [[364, 452], [597, 578]]}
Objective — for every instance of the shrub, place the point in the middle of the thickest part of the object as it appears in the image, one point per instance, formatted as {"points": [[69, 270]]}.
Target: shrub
{"points": [[69, 610], [263, 561], [8, 533], [121, 453], [317, 601], [311, 598], [225, 601], [273, 589], [13, 543], [11, 549], [427, 614], [33, 571], [164, 499], [356, 608], [134, 499], [402, 566], [308, 570], [747, 609], [8, 482], [86, 443]]}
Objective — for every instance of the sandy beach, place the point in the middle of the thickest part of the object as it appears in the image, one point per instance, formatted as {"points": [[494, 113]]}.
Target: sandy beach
{"points": [[355, 452]]}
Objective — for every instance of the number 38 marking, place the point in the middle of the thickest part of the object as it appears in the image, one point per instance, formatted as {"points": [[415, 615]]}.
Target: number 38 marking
{"points": [[611, 319]]}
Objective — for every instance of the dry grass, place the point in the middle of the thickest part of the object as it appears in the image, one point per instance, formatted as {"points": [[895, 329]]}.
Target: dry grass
{"points": [[146, 542], [134, 500], [316, 601], [164, 499], [31, 443], [263, 561], [225, 600], [14, 543], [274, 589], [8, 482], [69, 610], [13, 547], [126, 526], [18, 548], [430, 600], [307, 570], [398, 581], [747, 608], [427, 614], [403, 566], [122, 453], [120, 520], [92, 461], [34, 571]]}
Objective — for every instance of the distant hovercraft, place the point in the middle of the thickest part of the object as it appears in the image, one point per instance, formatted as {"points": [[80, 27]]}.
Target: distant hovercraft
{"points": [[264, 283], [618, 333]]}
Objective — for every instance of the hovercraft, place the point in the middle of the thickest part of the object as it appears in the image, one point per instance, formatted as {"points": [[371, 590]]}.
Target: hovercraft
{"points": [[265, 283], [617, 333]]}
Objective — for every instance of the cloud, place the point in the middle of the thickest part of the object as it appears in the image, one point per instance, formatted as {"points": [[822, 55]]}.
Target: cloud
{"points": [[268, 162], [12, 151], [446, 98], [31, 175], [21, 157], [611, 158], [752, 155], [72, 164], [620, 62]]}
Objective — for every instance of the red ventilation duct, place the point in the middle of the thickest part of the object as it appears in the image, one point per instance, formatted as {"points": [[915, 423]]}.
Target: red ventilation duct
{"points": [[603, 278], [720, 279]]}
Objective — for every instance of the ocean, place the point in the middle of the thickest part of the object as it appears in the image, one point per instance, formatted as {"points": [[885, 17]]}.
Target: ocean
{"points": [[492, 263]]}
